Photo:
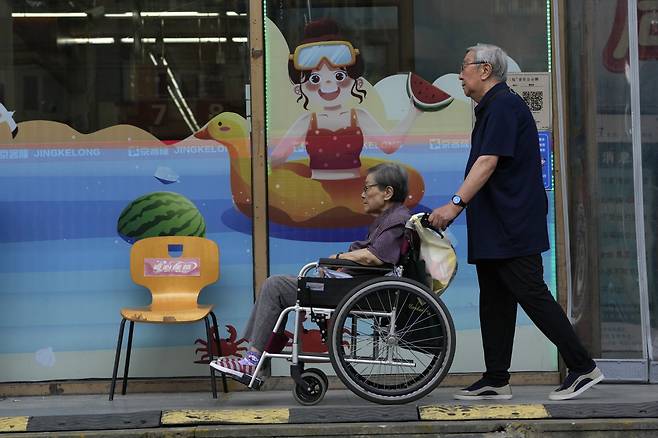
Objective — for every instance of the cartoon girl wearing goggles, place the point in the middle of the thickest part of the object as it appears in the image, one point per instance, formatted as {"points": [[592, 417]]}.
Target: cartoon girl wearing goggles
{"points": [[327, 72]]}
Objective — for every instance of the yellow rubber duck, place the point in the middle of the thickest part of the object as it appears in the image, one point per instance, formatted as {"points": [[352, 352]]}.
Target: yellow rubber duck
{"points": [[294, 198]]}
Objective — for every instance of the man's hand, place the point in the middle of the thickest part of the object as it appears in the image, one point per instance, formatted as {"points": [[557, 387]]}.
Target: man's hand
{"points": [[479, 174], [443, 216]]}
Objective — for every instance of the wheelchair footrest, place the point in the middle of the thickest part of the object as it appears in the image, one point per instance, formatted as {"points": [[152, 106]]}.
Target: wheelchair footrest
{"points": [[246, 379]]}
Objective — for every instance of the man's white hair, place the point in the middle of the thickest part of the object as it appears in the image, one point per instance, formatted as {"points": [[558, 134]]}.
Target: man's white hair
{"points": [[492, 55]]}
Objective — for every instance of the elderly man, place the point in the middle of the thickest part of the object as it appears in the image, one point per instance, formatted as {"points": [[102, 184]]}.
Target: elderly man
{"points": [[506, 208], [383, 195]]}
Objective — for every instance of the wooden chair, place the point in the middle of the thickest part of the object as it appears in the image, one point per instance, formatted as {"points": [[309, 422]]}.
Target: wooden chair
{"points": [[174, 269]]}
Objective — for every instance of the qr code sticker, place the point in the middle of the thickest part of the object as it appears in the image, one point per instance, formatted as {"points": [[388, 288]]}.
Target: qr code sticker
{"points": [[534, 99]]}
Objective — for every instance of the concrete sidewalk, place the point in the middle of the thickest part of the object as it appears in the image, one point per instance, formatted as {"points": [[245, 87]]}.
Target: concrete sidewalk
{"points": [[605, 410]]}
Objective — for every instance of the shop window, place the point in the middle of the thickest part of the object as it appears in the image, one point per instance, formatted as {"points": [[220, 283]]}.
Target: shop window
{"points": [[106, 110]]}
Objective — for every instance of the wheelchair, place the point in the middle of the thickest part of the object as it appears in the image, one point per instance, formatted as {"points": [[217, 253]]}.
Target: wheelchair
{"points": [[390, 339]]}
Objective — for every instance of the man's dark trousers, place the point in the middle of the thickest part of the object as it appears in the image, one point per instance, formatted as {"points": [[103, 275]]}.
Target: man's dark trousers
{"points": [[503, 284]]}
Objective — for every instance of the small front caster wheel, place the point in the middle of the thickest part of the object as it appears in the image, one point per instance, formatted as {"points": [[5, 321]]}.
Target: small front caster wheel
{"points": [[321, 373], [317, 388]]}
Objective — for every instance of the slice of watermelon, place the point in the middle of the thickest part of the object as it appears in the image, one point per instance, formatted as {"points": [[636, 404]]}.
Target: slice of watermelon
{"points": [[426, 97]]}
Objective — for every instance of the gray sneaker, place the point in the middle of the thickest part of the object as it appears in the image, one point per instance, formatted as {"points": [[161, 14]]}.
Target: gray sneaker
{"points": [[576, 383], [484, 390]]}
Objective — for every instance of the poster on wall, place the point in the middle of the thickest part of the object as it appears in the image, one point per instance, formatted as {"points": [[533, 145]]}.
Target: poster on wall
{"points": [[535, 89], [327, 124]]}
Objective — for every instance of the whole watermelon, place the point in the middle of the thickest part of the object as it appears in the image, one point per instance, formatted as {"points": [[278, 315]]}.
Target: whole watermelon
{"points": [[160, 214]]}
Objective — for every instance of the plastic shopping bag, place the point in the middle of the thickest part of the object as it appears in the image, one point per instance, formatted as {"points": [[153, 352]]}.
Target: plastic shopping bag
{"points": [[437, 252]]}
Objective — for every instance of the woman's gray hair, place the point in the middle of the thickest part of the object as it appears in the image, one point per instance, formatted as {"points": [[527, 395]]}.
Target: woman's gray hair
{"points": [[492, 55], [391, 174]]}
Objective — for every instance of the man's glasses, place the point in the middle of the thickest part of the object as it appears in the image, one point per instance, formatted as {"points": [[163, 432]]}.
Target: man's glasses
{"points": [[463, 65], [367, 186]]}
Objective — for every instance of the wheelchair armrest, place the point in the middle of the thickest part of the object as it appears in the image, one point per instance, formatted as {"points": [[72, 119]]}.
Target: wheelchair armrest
{"points": [[342, 263]]}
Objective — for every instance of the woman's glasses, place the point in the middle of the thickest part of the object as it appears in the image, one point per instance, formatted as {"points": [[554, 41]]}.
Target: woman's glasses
{"points": [[367, 186]]}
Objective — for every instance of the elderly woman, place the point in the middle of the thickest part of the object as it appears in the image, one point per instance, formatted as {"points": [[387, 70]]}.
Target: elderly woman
{"points": [[383, 195]]}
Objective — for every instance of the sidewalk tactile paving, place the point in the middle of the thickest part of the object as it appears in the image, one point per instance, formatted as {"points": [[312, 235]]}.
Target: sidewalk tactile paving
{"points": [[13, 424], [482, 412], [225, 416]]}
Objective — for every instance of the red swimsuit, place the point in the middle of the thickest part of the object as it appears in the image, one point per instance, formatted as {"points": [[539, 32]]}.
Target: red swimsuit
{"points": [[334, 150]]}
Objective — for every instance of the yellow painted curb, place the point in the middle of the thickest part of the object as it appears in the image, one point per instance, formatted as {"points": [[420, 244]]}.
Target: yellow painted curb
{"points": [[13, 424], [237, 416], [482, 412]]}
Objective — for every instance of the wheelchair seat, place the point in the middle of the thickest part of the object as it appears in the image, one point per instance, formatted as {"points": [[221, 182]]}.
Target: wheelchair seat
{"points": [[327, 291]]}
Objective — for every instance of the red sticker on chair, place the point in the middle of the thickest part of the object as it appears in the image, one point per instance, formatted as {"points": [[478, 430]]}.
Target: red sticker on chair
{"points": [[189, 267]]}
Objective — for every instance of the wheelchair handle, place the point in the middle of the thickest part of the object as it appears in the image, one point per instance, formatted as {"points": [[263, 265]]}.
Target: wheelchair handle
{"points": [[425, 222], [307, 268]]}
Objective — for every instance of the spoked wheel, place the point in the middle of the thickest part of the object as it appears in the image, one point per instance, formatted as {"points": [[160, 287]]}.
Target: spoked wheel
{"points": [[317, 381], [392, 341]]}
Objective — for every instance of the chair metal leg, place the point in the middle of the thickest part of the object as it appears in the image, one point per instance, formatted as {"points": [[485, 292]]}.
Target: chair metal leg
{"points": [[128, 350], [131, 329], [117, 356], [219, 348], [213, 380]]}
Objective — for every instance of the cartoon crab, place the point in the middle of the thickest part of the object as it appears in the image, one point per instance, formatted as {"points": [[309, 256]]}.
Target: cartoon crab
{"points": [[229, 346], [311, 339]]}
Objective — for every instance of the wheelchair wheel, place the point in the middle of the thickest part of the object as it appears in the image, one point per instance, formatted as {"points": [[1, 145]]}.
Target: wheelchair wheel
{"points": [[318, 383], [392, 341], [321, 373]]}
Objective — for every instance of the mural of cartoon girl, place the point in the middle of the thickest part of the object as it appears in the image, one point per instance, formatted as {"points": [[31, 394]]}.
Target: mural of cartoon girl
{"points": [[327, 73]]}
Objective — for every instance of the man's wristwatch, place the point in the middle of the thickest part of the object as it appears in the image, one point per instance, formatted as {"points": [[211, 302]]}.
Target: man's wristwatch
{"points": [[457, 200]]}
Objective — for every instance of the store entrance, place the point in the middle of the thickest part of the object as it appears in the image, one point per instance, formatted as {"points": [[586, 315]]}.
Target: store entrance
{"points": [[612, 128]]}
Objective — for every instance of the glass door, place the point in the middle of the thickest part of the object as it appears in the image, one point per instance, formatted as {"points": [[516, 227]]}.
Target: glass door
{"points": [[647, 51], [611, 187]]}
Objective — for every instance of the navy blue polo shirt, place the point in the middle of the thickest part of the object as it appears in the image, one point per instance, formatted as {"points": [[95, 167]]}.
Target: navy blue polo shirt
{"points": [[507, 217]]}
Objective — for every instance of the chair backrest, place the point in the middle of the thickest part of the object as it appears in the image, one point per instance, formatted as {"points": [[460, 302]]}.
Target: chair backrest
{"points": [[174, 268]]}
